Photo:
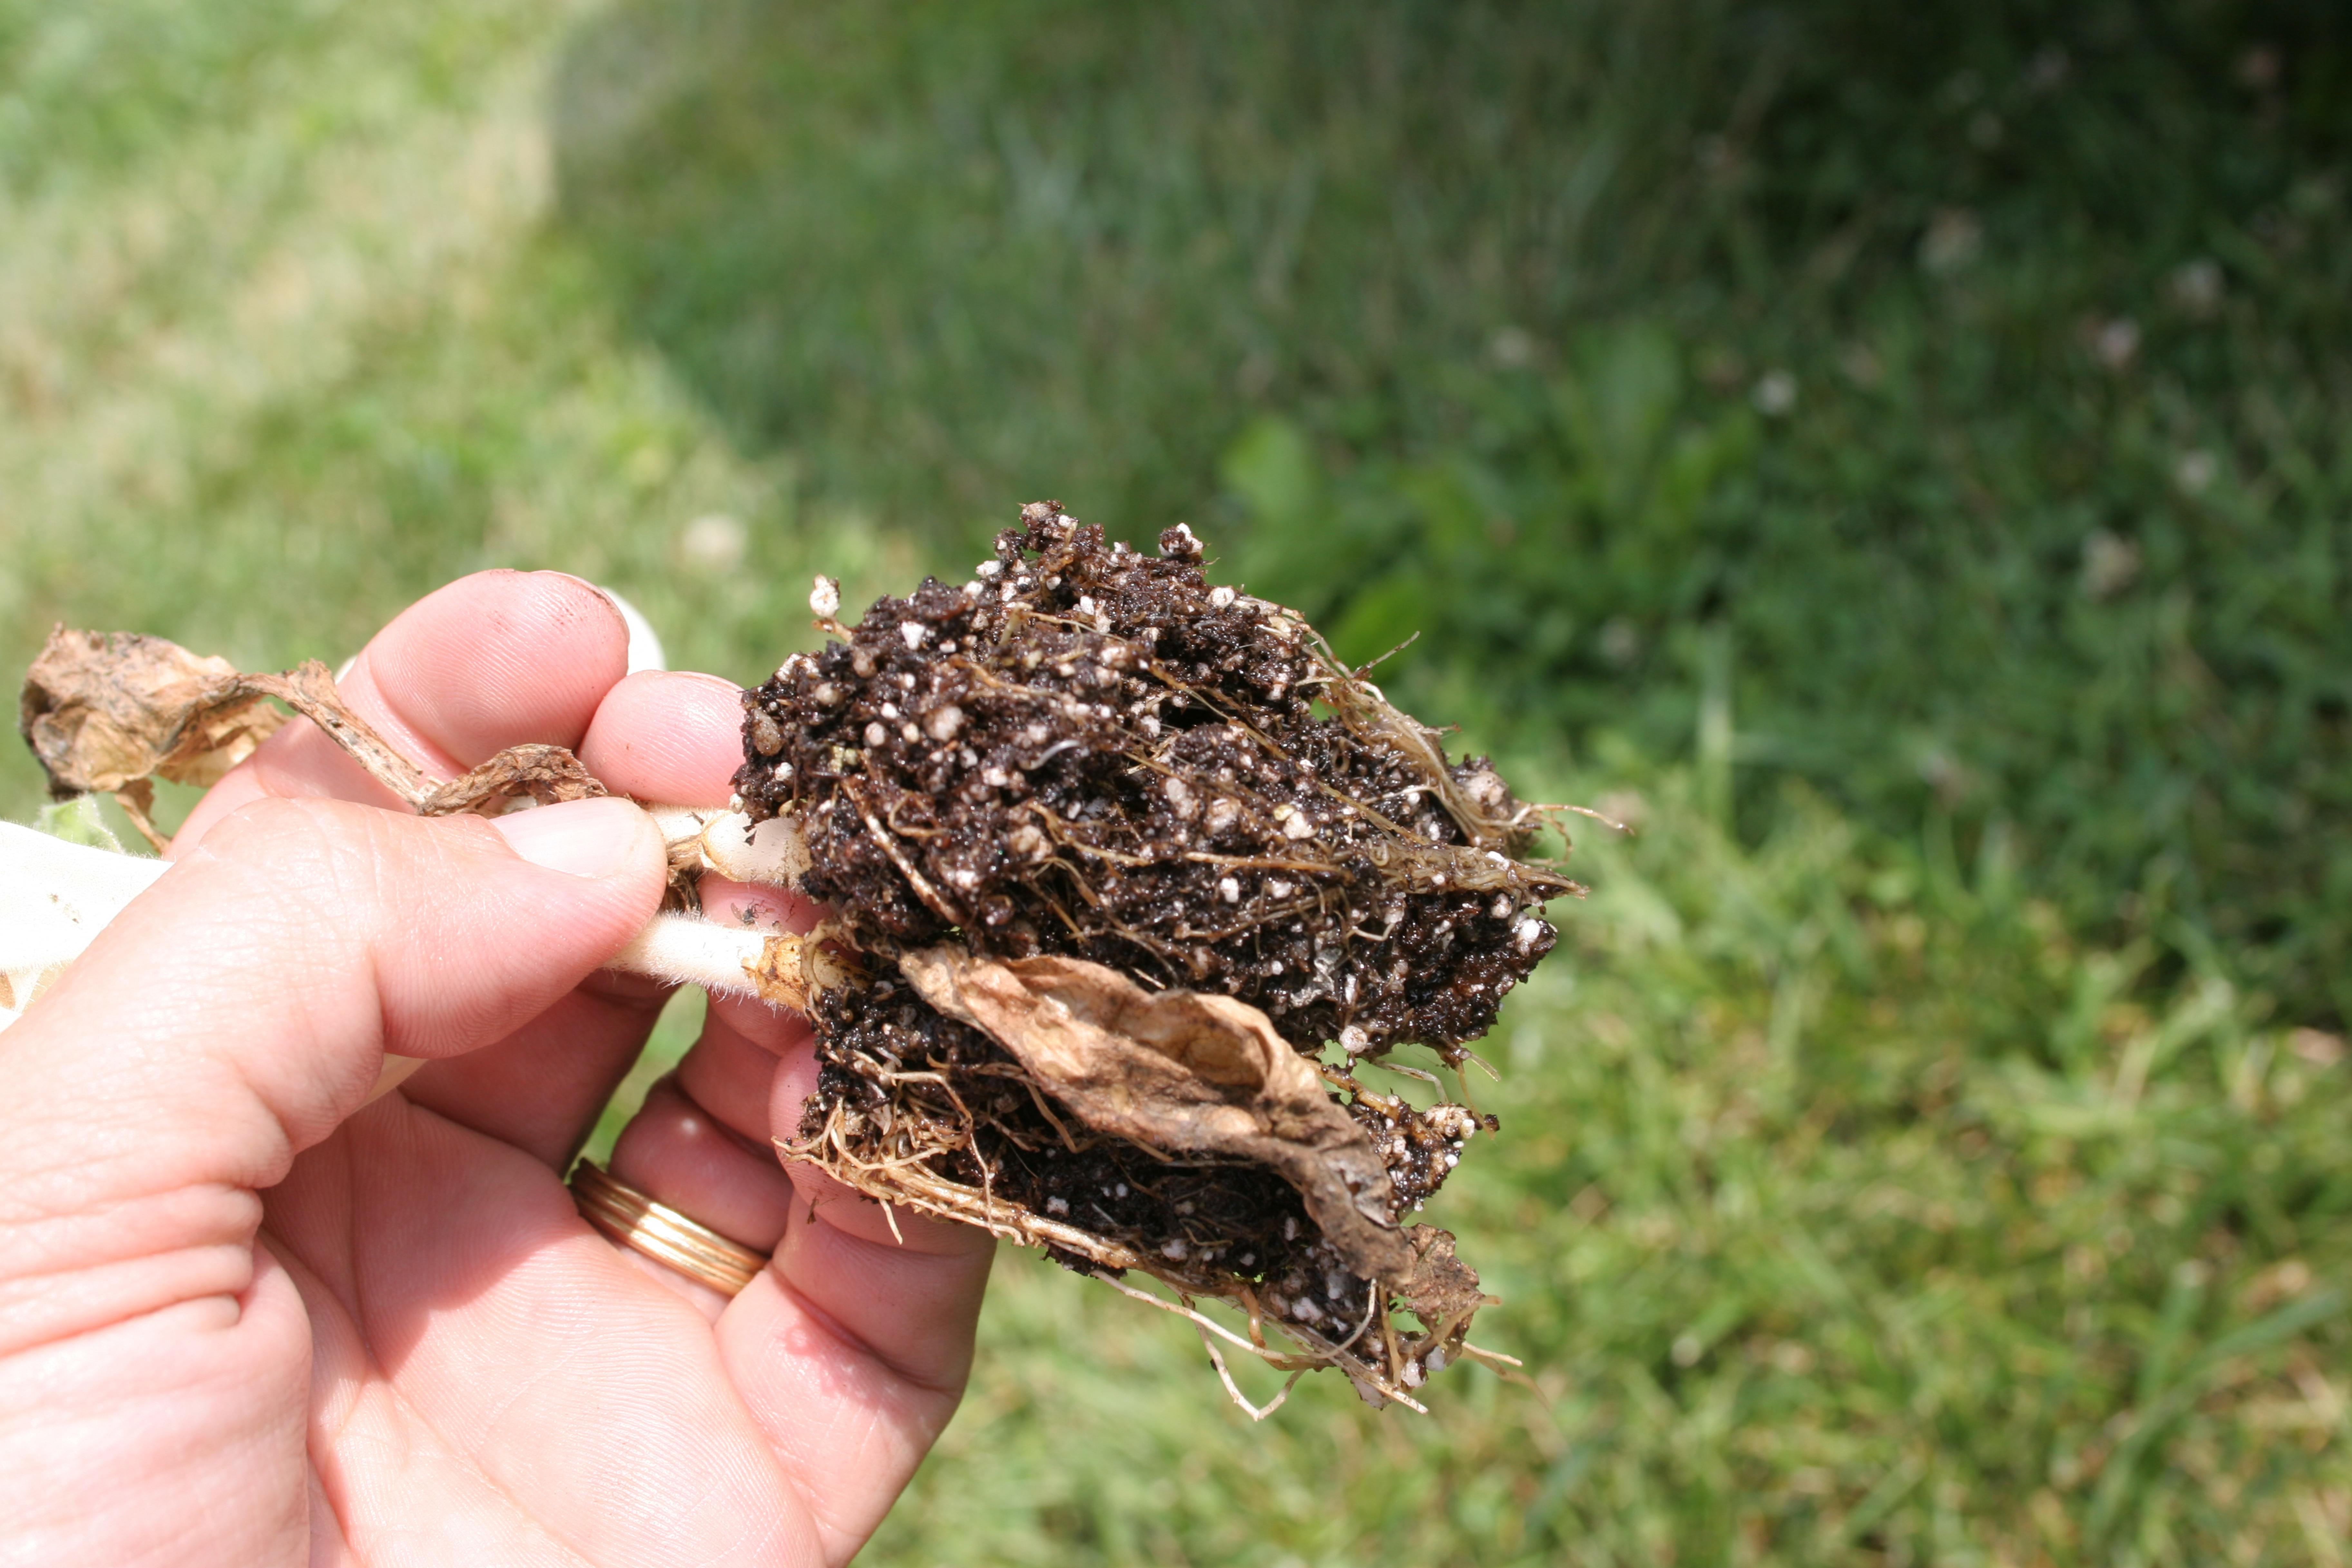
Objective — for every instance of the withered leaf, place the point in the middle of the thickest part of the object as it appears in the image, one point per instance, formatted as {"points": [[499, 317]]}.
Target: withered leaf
{"points": [[102, 710], [1180, 1071], [106, 712], [1442, 1291]]}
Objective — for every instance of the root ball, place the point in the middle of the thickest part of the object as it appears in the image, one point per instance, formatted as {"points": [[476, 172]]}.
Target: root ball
{"points": [[1079, 787]]}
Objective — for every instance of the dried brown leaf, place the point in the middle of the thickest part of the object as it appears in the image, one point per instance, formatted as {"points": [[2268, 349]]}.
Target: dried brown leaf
{"points": [[1180, 1071], [110, 711], [103, 711], [1442, 1291]]}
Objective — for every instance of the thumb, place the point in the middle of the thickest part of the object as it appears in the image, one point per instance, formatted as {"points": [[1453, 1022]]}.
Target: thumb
{"points": [[238, 1010]]}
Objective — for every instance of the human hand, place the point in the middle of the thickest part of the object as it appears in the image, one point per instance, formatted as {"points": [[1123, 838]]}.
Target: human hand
{"points": [[246, 1319]]}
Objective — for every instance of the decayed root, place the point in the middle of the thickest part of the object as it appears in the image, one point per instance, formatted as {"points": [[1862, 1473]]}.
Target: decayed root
{"points": [[1182, 1081], [895, 1169]]}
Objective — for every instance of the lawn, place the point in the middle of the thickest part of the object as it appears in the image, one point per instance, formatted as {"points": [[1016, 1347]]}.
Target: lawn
{"points": [[1891, 460]]}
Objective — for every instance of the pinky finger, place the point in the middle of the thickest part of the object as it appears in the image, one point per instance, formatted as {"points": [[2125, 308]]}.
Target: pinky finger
{"points": [[852, 1355]]}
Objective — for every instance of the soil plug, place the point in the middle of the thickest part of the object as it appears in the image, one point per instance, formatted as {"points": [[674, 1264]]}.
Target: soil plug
{"points": [[1117, 858]]}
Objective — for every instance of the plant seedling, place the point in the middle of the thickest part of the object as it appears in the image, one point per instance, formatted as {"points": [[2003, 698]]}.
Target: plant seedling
{"points": [[1131, 881]]}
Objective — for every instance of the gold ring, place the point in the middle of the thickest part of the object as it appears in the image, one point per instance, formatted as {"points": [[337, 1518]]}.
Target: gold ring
{"points": [[636, 1221]]}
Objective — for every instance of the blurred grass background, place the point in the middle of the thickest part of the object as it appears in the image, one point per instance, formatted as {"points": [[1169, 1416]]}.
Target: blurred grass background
{"points": [[1892, 457]]}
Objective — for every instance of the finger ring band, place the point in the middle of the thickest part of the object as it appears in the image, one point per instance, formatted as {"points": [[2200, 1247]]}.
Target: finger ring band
{"points": [[636, 1221]]}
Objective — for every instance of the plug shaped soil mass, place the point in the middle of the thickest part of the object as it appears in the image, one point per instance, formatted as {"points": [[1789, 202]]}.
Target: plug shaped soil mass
{"points": [[1131, 879]]}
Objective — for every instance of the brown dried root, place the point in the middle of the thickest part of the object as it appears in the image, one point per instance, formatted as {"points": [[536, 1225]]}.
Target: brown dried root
{"points": [[893, 1165]]}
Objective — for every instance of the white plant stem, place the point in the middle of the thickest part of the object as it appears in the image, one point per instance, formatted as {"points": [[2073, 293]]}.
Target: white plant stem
{"points": [[688, 949], [56, 897], [771, 853]]}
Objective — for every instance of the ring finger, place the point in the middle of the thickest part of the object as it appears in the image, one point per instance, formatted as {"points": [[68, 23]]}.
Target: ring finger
{"points": [[701, 1143], [677, 1153]]}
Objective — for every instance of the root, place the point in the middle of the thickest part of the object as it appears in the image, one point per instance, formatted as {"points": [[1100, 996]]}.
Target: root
{"points": [[1387, 1359], [1255, 1412]]}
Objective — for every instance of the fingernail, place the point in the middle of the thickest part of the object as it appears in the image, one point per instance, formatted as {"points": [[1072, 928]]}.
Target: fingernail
{"points": [[584, 837]]}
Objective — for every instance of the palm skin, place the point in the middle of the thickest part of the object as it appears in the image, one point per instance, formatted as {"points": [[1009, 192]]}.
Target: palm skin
{"points": [[247, 1316]]}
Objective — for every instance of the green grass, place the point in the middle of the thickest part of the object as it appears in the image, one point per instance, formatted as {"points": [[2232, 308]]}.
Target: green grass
{"points": [[289, 348], [1931, 1140], [1481, 318], [1845, 1209]]}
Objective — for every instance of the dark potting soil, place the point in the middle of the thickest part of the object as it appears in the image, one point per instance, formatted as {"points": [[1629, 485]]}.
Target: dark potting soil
{"points": [[1090, 752]]}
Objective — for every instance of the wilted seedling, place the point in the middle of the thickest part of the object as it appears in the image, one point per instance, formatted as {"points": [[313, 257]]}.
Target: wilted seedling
{"points": [[1131, 881]]}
